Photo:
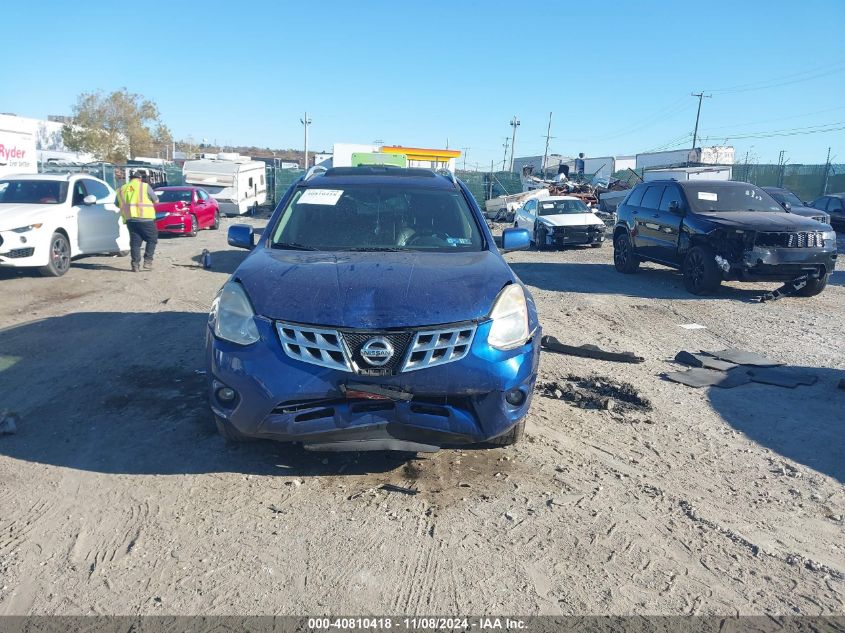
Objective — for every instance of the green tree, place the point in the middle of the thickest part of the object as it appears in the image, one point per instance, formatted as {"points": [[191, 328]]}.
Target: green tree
{"points": [[117, 126]]}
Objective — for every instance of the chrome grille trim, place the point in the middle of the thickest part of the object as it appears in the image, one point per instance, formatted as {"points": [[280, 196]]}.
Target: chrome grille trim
{"points": [[318, 346], [439, 346]]}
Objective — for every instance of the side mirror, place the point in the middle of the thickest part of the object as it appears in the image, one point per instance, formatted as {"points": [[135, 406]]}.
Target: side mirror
{"points": [[241, 236], [515, 240], [787, 207], [675, 208], [89, 200]]}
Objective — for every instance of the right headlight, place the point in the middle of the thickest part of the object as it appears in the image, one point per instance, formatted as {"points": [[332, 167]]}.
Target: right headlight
{"points": [[232, 317], [829, 238], [510, 319]]}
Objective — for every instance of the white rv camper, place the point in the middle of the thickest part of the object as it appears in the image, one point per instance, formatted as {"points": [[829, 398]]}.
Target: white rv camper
{"points": [[236, 182]]}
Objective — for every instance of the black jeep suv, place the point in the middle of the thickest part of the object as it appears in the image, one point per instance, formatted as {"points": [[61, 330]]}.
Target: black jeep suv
{"points": [[714, 229]]}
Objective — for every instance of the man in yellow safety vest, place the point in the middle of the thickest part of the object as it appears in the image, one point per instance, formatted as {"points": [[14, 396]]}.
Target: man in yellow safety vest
{"points": [[136, 200]]}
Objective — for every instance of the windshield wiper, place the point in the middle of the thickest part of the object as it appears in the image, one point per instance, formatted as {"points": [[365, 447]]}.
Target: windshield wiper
{"points": [[293, 246], [375, 249]]}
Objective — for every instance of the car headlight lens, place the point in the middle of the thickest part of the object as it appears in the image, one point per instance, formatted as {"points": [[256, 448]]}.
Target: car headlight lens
{"points": [[510, 319], [232, 317], [829, 238], [24, 229]]}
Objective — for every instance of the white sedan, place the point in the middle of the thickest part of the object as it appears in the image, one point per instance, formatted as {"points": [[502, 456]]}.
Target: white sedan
{"points": [[48, 219], [560, 221]]}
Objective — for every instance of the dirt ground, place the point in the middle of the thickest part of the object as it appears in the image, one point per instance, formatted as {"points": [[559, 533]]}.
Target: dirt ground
{"points": [[118, 497]]}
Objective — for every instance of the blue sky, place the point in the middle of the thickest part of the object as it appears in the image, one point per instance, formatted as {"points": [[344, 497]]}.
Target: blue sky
{"points": [[617, 75]]}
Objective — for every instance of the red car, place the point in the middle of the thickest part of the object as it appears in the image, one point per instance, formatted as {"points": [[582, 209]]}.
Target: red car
{"points": [[185, 210]]}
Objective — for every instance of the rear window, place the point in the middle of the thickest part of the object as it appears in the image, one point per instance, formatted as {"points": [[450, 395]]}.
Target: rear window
{"points": [[636, 196], [376, 217]]}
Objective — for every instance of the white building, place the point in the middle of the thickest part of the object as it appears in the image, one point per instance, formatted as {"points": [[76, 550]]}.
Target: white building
{"points": [[39, 140]]}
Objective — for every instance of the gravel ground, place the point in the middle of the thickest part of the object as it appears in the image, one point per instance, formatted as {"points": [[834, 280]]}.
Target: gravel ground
{"points": [[118, 497]]}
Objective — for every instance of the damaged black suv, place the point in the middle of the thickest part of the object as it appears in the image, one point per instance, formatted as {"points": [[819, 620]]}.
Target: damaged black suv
{"points": [[714, 230]]}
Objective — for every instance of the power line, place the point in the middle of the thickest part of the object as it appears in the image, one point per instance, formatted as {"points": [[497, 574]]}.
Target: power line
{"points": [[813, 129], [785, 80]]}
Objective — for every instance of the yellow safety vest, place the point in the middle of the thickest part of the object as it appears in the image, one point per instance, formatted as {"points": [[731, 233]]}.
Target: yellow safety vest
{"points": [[134, 202]]}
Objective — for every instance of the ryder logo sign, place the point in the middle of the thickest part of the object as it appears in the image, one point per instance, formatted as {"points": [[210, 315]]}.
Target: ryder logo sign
{"points": [[17, 154]]}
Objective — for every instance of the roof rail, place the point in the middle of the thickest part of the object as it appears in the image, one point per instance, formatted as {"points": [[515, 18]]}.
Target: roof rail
{"points": [[449, 174], [314, 171]]}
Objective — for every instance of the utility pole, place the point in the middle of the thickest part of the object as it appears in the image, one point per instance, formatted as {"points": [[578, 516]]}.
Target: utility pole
{"points": [[514, 125], [490, 180], [305, 123], [505, 159], [826, 172], [465, 150], [780, 168], [546, 152], [701, 97]]}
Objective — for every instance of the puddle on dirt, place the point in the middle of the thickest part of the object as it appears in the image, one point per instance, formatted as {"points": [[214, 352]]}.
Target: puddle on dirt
{"points": [[595, 392]]}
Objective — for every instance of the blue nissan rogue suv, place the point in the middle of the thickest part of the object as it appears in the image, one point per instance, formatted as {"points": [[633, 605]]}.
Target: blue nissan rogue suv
{"points": [[374, 312]]}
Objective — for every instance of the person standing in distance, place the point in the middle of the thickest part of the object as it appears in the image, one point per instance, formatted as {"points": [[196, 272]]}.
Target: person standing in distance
{"points": [[136, 200]]}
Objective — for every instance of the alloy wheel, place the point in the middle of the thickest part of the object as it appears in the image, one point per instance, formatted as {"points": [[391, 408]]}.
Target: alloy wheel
{"points": [[60, 254]]}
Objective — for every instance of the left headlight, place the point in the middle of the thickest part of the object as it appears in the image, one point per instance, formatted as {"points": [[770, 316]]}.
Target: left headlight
{"points": [[232, 317], [24, 229], [510, 319]]}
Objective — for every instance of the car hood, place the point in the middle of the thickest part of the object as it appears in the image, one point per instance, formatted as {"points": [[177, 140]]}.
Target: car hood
{"points": [[571, 219], [808, 212], [13, 216], [373, 290], [761, 221]]}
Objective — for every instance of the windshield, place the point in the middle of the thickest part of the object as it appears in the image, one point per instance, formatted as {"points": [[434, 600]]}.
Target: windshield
{"points": [[727, 196], [786, 196], [561, 207], [373, 217], [174, 195], [32, 191]]}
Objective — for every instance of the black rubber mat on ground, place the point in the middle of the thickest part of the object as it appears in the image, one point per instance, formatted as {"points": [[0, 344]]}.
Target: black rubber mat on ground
{"points": [[743, 357], [701, 377], [702, 360], [782, 376]]}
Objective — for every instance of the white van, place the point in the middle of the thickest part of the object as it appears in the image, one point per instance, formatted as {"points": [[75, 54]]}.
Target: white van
{"points": [[238, 183]]}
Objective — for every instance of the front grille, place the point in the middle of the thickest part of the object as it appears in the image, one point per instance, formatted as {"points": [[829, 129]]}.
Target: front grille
{"points": [[341, 349], [820, 218], [355, 341], [20, 252], [812, 239], [437, 347], [317, 346]]}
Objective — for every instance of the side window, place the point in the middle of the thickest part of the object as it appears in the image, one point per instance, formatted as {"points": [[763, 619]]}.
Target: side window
{"points": [[262, 179], [202, 195], [834, 204], [636, 196], [671, 194], [78, 194], [97, 189], [651, 199], [250, 182], [531, 206]]}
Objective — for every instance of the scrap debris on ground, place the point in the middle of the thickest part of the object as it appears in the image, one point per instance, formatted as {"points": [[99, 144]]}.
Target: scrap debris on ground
{"points": [[595, 392], [588, 351]]}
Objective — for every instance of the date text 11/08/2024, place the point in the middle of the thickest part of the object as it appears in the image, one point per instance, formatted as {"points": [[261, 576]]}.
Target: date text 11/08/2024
{"points": [[417, 623]]}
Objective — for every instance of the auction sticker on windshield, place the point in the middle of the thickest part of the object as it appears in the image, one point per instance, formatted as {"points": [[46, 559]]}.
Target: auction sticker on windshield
{"points": [[706, 195], [320, 196]]}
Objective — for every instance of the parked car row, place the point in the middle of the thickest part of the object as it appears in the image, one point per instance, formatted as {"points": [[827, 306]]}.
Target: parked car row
{"points": [[47, 220]]}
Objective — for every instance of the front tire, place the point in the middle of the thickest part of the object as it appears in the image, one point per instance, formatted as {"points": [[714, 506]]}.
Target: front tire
{"points": [[813, 287], [216, 224], [195, 226], [511, 437], [59, 262], [701, 275], [624, 258]]}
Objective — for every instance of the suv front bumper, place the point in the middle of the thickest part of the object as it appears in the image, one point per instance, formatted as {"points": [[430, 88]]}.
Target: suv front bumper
{"points": [[285, 399], [783, 264]]}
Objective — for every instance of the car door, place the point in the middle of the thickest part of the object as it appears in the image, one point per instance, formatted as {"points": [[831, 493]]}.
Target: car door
{"points": [[647, 229], [836, 210], [669, 216], [205, 210], [99, 223], [526, 215]]}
